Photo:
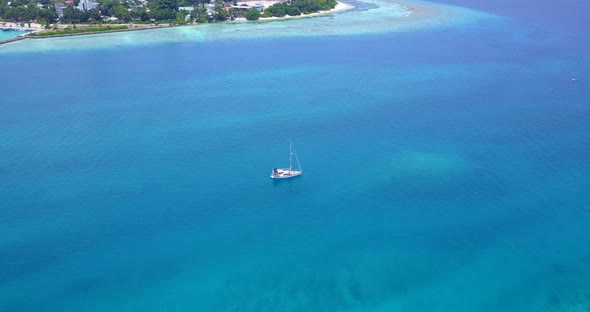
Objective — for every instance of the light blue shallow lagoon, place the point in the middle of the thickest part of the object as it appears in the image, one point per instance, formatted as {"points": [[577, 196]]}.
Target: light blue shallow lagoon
{"points": [[8, 34], [445, 167]]}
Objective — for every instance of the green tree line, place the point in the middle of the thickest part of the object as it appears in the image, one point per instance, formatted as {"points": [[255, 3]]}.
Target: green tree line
{"points": [[298, 7], [24, 11], [158, 10], [68, 31]]}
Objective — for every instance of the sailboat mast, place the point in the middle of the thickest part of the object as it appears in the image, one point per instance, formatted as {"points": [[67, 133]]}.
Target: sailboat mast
{"points": [[290, 155], [298, 164]]}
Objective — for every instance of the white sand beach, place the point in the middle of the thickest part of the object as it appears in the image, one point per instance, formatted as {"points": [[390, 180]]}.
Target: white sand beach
{"points": [[21, 26]]}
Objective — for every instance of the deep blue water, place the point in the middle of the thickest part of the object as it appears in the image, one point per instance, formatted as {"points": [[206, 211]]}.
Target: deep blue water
{"points": [[444, 170], [567, 15]]}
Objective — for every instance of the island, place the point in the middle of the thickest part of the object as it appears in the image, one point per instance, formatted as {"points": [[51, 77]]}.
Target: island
{"points": [[51, 18]]}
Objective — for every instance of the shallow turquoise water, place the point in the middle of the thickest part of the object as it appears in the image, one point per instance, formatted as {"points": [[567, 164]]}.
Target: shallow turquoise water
{"points": [[445, 169], [10, 34]]}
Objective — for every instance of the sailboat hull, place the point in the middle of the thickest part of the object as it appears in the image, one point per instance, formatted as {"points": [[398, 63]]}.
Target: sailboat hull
{"points": [[285, 173]]}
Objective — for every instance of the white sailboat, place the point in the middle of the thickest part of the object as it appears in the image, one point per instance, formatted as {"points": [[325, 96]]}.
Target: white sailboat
{"points": [[284, 173]]}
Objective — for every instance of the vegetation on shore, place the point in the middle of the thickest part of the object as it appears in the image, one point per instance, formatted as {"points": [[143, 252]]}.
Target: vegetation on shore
{"points": [[25, 10], [69, 31], [253, 15], [175, 12], [298, 7]]}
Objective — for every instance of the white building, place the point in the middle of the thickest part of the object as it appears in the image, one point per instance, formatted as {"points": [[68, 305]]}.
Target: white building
{"points": [[59, 9], [86, 5]]}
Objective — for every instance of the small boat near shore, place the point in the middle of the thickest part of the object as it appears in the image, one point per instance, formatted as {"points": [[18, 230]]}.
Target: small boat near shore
{"points": [[285, 173]]}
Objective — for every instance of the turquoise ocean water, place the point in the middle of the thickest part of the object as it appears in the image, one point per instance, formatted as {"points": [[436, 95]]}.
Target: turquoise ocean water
{"points": [[10, 34], [445, 167]]}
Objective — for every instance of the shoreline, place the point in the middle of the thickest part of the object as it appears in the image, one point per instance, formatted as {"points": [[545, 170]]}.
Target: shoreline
{"points": [[34, 30], [17, 26], [385, 16], [35, 27], [340, 6], [96, 32]]}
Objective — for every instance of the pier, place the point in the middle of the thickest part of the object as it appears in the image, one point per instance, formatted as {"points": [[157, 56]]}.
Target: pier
{"points": [[12, 40]]}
